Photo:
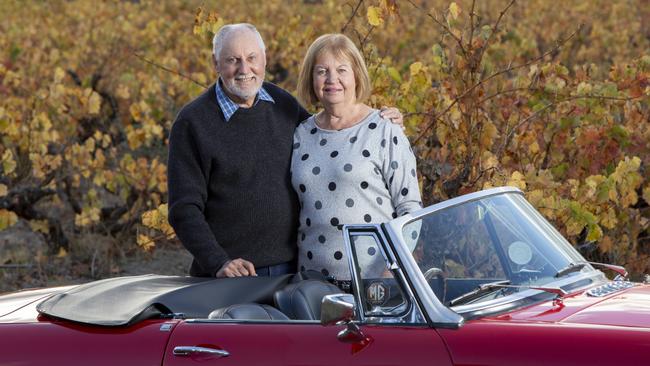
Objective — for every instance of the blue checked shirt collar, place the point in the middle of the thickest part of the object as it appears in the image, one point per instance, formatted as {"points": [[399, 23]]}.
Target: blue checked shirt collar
{"points": [[228, 107]]}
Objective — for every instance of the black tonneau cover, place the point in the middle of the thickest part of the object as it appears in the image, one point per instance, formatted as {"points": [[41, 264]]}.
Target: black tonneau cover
{"points": [[124, 301]]}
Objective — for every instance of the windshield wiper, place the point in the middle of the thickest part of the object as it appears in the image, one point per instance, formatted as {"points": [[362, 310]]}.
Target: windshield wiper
{"points": [[575, 267], [572, 267], [478, 292], [487, 287]]}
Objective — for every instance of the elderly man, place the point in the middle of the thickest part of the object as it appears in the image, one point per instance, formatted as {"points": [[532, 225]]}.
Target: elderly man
{"points": [[230, 197]]}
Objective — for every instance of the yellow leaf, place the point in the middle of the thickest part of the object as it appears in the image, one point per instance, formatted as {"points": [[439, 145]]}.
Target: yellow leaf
{"points": [[40, 225], [415, 68], [517, 180], [3, 190], [488, 134], [94, 103], [7, 219], [8, 162], [59, 74], [489, 160], [394, 74], [145, 242], [62, 253], [608, 219], [454, 10], [122, 92], [595, 233], [374, 16]]}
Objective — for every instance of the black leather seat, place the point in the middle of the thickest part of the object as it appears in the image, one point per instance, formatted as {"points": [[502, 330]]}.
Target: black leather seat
{"points": [[302, 300], [248, 312]]}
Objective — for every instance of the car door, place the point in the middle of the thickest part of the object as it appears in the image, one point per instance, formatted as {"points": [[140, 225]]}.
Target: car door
{"points": [[302, 343]]}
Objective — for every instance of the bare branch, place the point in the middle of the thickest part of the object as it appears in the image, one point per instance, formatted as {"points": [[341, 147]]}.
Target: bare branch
{"points": [[443, 26], [354, 13], [498, 73], [169, 70], [495, 28]]}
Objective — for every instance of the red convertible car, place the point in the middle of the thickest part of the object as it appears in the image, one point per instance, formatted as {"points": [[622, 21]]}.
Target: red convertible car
{"points": [[481, 279]]}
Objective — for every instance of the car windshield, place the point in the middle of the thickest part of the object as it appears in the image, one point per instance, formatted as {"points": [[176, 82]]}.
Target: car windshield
{"points": [[499, 240]]}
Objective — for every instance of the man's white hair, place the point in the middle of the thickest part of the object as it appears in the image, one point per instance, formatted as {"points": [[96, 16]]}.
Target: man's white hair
{"points": [[229, 29]]}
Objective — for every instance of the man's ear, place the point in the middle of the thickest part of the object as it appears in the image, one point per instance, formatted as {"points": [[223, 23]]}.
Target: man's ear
{"points": [[215, 63]]}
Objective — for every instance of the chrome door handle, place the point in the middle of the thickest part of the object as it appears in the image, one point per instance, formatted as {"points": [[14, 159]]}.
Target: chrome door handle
{"points": [[189, 350]]}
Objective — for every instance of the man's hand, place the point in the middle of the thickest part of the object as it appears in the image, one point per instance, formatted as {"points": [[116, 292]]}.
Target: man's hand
{"points": [[393, 114], [236, 268]]}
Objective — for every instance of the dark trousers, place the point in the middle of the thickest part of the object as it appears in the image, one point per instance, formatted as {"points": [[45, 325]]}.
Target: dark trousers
{"points": [[276, 269]]}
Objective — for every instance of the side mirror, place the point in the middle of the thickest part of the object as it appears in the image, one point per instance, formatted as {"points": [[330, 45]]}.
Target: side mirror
{"points": [[339, 309]]}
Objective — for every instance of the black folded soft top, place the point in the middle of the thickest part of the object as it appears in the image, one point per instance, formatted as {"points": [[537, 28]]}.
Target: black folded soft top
{"points": [[123, 301]]}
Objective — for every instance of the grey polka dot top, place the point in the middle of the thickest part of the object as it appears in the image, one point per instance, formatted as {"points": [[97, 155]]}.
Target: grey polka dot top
{"points": [[362, 174]]}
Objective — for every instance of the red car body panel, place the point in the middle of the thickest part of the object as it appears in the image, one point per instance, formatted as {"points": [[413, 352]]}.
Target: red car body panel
{"points": [[542, 334], [39, 340], [307, 344], [581, 330]]}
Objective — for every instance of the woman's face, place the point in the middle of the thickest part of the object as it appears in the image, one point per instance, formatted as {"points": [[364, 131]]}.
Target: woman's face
{"points": [[333, 80]]}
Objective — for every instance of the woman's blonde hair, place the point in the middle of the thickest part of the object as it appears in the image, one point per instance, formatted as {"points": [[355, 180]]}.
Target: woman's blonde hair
{"points": [[340, 46]]}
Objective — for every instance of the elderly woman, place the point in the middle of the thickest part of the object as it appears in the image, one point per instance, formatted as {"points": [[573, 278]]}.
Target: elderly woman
{"points": [[349, 165]]}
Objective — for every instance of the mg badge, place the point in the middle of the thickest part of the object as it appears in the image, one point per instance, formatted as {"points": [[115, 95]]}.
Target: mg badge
{"points": [[377, 293]]}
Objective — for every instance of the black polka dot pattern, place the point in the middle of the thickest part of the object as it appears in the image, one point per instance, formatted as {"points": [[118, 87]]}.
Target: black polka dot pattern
{"points": [[333, 175]]}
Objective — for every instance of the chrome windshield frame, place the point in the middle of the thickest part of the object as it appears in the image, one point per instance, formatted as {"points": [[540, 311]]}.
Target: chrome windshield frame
{"points": [[436, 310]]}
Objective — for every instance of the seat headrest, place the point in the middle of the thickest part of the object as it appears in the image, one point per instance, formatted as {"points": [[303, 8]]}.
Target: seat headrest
{"points": [[303, 300], [248, 312]]}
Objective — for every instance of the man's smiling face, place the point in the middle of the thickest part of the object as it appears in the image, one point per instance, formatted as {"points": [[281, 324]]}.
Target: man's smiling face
{"points": [[241, 65]]}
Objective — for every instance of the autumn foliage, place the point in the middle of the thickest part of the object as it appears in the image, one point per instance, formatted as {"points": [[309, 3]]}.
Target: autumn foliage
{"points": [[549, 97]]}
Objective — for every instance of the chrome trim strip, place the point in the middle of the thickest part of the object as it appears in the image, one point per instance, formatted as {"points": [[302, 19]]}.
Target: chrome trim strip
{"points": [[399, 222], [189, 350], [437, 314]]}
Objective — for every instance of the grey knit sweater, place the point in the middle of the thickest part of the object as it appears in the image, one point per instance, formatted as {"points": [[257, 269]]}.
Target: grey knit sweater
{"points": [[362, 174]]}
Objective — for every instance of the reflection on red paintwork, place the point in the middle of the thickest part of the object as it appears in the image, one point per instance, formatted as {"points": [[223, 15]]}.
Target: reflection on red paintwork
{"points": [[361, 345]]}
